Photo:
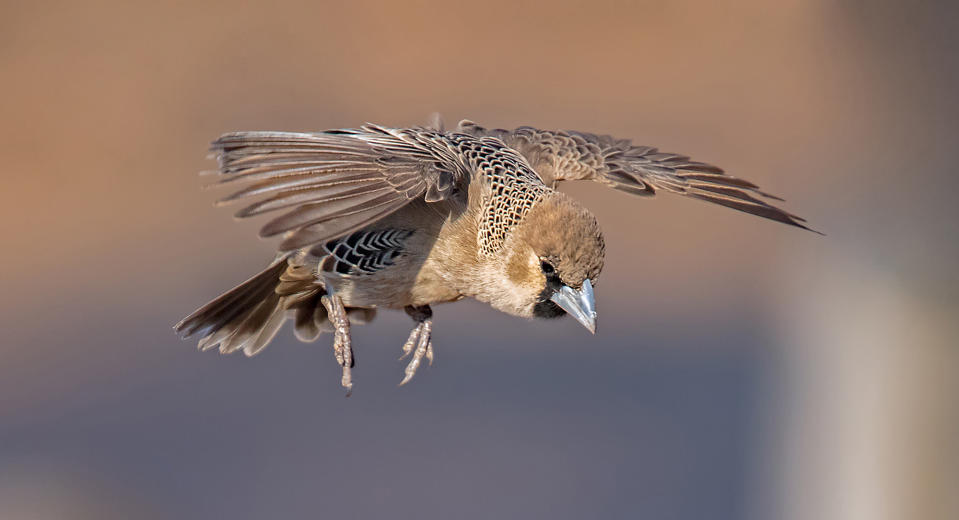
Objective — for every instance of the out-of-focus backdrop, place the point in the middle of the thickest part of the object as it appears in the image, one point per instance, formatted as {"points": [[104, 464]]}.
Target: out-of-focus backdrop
{"points": [[742, 369]]}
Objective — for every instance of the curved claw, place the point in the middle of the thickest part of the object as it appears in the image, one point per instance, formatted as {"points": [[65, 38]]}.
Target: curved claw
{"points": [[347, 381]]}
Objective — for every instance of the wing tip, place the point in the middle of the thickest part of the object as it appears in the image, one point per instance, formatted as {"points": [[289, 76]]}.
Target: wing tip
{"points": [[807, 228]]}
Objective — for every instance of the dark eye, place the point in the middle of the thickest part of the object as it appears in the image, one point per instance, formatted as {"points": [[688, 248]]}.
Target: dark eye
{"points": [[547, 267]]}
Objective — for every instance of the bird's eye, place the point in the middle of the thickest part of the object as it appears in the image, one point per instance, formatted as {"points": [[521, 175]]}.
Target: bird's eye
{"points": [[547, 267]]}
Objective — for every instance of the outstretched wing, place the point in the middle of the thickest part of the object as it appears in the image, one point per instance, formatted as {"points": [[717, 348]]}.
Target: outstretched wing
{"points": [[640, 170], [335, 182]]}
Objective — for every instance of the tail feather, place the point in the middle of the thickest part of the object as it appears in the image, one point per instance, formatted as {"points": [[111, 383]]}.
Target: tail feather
{"points": [[246, 317], [247, 328], [242, 299], [249, 316], [264, 329]]}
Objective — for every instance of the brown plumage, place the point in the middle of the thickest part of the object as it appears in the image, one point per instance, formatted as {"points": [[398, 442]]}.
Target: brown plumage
{"points": [[407, 218]]}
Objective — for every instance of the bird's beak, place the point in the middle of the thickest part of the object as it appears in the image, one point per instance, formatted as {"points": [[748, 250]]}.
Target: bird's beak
{"points": [[579, 304]]}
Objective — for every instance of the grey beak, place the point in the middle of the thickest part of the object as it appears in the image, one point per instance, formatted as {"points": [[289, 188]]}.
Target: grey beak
{"points": [[579, 304]]}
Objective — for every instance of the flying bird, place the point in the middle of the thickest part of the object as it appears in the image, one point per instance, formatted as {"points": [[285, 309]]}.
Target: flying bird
{"points": [[405, 218]]}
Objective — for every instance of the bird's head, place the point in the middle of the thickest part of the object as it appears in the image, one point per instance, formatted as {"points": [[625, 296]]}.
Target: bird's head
{"points": [[553, 259]]}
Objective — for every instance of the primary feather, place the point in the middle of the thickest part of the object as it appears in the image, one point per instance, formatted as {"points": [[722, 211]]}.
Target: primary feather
{"points": [[334, 182], [639, 170]]}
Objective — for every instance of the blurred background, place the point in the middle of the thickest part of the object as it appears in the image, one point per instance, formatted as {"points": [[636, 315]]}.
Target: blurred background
{"points": [[742, 369]]}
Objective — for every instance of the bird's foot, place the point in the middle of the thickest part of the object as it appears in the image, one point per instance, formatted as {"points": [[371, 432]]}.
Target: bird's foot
{"points": [[420, 342], [342, 346]]}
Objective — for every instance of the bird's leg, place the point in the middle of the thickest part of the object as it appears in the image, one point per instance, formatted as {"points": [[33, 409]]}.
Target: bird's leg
{"points": [[342, 347], [420, 343]]}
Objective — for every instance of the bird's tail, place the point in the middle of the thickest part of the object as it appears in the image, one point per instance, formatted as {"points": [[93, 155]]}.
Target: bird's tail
{"points": [[248, 316]]}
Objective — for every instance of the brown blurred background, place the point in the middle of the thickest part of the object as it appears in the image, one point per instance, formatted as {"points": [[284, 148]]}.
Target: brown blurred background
{"points": [[742, 369]]}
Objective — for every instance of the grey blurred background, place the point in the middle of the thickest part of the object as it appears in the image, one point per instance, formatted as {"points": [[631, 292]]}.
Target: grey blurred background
{"points": [[742, 369]]}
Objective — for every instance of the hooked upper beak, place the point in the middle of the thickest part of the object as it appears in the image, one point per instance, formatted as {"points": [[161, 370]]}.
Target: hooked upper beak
{"points": [[579, 304]]}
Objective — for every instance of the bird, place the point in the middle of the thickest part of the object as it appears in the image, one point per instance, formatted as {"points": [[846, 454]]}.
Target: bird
{"points": [[407, 218]]}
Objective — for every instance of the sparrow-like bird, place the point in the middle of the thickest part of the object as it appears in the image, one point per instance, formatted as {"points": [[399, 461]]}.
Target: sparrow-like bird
{"points": [[404, 218]]}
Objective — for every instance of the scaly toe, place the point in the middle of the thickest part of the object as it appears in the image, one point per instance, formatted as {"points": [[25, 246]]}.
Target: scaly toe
{"points": [[422, 349], [414, 337]]}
